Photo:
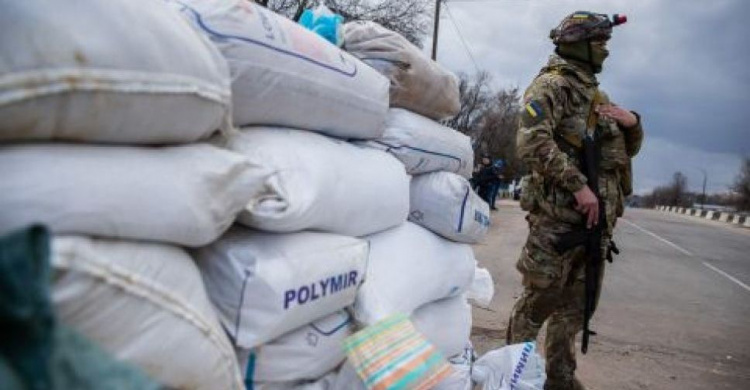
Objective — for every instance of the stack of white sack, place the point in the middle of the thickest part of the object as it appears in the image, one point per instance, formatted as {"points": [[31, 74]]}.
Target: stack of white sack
{"points": [[280, 289], [417, 83], [441, 158], [132, 93], [285, 75], [426, 93], [441, 198]]}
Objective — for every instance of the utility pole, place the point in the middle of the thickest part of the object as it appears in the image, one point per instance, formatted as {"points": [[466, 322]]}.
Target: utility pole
{"points": [[435, 30]]}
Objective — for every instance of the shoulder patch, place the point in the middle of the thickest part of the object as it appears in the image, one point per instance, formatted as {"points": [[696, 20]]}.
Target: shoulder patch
{"points": [[534, 109]]}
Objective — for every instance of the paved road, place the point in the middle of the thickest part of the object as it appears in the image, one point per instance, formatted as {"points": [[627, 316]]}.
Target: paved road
{"points": [[674, 312]]}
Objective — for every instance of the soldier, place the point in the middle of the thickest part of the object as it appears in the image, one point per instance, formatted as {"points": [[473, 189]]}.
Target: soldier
{"points": [[562, 107]]}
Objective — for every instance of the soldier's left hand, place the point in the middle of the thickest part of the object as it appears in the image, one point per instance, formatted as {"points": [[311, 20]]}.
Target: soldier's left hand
{"points": [[620, 115]]}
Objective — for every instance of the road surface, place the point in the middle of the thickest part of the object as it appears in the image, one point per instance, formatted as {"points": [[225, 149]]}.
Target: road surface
{"points": [[674, 311]]}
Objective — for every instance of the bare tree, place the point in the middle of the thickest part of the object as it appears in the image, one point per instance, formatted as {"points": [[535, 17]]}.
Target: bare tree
{"points": [[408, 18], [496, 134], [742, 186], [475, 95], [674, 194], [490, 119], [678, 190]]}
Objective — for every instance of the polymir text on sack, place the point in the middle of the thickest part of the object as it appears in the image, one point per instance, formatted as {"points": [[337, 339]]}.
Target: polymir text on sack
{"points": [[313, 291]]}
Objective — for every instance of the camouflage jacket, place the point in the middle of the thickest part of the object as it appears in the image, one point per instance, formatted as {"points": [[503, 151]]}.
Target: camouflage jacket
{"points": [[553, 123]]}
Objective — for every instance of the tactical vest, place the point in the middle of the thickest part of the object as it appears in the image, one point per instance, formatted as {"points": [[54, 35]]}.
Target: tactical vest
{"points": [[568, 135], [608, 134]]}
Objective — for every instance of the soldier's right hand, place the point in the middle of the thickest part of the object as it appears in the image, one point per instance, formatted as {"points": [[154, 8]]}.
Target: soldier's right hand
{"points": [[588, 205]]}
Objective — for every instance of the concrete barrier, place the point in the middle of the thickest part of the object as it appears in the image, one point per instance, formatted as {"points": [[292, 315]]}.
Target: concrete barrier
{"points": [[713, 215]]}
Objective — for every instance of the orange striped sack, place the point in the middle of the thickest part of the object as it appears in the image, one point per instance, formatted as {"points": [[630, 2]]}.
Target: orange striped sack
{"points": [[392, 354]]}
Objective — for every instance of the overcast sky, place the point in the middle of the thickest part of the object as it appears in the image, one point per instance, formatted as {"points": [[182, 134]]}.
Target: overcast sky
{"points": [[682, 64]]}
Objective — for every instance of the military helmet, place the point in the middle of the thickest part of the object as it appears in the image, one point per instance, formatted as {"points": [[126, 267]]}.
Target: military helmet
{"points": [[584, 25]]}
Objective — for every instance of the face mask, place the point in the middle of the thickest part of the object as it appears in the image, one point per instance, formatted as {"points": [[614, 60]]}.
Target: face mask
{"points": [[598, 55], [582, 51]]}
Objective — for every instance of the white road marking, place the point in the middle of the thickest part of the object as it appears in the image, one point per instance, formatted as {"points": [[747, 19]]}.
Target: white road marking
{"points": [[685, 251], [664, 240], [728, 276]]}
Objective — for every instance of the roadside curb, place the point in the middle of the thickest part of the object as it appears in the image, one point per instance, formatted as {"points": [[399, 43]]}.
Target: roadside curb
{"points": [[711, 215]]}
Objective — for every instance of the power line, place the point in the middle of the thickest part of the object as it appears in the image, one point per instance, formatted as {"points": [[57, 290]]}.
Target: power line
{"points": [[461, 36]]}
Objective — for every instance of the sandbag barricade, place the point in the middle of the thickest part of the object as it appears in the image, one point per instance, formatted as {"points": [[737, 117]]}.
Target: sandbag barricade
{"points": [[321, 183], [304, 354], [409, 256], [107, 71], [445, 203], [285, 75], [264, 285], [144, 303], [418, 83], [423, 145], [186, 195]]}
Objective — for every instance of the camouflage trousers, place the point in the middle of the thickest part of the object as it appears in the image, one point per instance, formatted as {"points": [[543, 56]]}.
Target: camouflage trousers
{"points": [[554, 286]]}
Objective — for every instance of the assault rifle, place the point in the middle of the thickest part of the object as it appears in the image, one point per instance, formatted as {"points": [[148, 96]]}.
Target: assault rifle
{"points": [[590, 238]]}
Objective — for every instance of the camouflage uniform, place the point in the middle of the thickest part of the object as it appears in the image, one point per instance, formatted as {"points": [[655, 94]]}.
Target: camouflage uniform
{"points": [[552, 126]]}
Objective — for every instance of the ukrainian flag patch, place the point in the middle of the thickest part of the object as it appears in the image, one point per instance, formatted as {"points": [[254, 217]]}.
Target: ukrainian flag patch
{"points": [[534, 109]]}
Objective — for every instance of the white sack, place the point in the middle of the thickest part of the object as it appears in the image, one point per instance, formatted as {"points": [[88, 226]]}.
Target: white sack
{"points": [[460, 378], [322, 183], [185, 195], [424, 145], [264, 285], [513, 367], [306, 353], [286, 75], [444, 203], [445, 323], [145, 304], [123, 71], [418, 83], [409, 267], [482, 288]]}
